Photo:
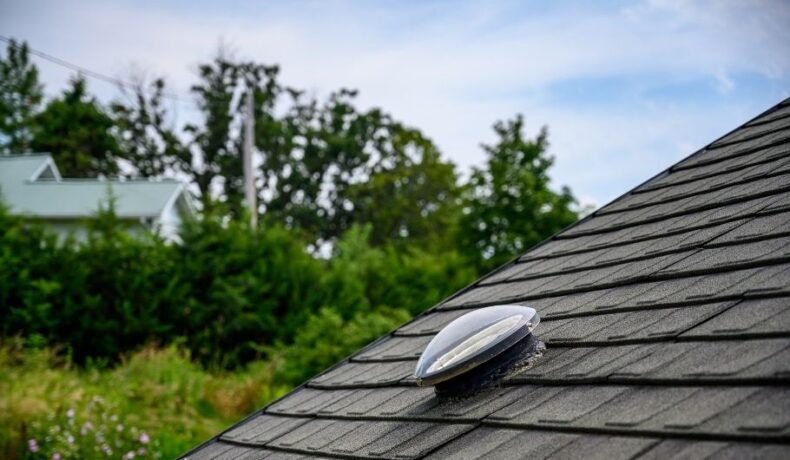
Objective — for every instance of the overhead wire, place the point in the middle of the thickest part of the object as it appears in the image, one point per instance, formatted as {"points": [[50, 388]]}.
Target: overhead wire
{"points": [[92, 73]]}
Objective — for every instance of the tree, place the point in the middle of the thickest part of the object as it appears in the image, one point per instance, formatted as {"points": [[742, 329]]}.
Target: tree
{"points": [[150, 145], [79, 134], [330, 166], [326, 166], [212, 159], [20, 97], [415, 202], [509, 206], [208, 152], [318, 153]]}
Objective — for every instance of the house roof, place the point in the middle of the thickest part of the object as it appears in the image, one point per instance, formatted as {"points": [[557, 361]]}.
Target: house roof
{"points": [[666, 316], [26, 192]]}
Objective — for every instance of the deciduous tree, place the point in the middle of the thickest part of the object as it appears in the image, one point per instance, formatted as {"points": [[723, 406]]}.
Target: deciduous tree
{"points": [[510, 206]]}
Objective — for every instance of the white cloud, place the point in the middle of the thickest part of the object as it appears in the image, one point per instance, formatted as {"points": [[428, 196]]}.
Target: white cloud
{"points": [[452, 69], [725, 84]]}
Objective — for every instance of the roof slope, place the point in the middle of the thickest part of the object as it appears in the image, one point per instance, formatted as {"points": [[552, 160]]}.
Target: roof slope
{"points": [[666, 316], [77, 198]]}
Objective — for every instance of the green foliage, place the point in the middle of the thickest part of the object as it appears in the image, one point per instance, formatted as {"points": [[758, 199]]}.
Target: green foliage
{"points": [[510, 206], [20, 95], [414, 203], [240, 289], [208, 152], [324, 149], [79, 133], [325, 165], [226, 289], [230, 292], [363, 277], [214, 150], [27, 291], [146, 139], [403, 231], [326, 338], [336, 166], [367, 292]]}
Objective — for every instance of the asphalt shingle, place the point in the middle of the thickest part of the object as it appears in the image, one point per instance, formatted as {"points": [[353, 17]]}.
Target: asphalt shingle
{"points": [[372, 439], [753, 318], [493, 443], [262, 429]]}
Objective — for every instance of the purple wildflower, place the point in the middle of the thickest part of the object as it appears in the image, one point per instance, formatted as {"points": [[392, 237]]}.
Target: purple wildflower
{"points": [[70, 413], [144, 439], [32, 445], [129, 455], [56, 456]]}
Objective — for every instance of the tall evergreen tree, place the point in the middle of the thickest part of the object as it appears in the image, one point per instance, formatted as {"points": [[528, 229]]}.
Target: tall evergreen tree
{"points": [[20, 98], [79, 133]]}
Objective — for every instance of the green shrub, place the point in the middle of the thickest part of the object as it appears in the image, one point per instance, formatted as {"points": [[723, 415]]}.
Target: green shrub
{"points": [[227, 292], [327, 338]]}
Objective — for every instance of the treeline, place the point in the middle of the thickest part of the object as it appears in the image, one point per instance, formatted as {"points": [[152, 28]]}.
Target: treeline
{"points": [[363, 221]]}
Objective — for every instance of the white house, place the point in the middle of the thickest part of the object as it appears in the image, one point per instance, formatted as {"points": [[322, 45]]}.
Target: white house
{"points": [[31, 186]]}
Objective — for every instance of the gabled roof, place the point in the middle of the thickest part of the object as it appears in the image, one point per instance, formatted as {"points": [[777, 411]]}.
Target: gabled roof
{"points": [[29, 188], [666, 316]]}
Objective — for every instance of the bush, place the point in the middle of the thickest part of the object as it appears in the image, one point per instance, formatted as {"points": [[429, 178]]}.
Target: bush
{"points": [[315, 348], [239, 290], [362, 278], [228, 293]]}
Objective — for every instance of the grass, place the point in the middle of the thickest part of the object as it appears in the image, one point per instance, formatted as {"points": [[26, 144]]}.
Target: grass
{"points": [[156, 404]]}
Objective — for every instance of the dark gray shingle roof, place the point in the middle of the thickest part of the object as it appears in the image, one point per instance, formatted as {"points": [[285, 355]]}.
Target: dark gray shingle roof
{"points": [[666, 316]]}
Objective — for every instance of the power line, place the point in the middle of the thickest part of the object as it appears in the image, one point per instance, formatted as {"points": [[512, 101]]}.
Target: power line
{"points": [[90, 73]]}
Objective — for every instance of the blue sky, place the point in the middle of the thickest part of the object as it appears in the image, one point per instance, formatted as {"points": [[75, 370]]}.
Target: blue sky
{"points": [[626, 88]]}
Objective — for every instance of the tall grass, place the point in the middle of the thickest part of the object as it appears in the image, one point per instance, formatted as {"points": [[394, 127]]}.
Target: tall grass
{"points": [[156, 404]]}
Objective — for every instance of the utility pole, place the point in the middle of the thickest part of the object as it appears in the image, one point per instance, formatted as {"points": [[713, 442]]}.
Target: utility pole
{"points": [[249, 175]]}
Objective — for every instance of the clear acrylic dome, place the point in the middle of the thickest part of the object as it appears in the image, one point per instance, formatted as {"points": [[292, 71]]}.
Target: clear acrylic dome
{"points": [[473, 339]]}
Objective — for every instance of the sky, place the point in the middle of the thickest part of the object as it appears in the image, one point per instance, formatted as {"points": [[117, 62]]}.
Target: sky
{"points": [[625, 88]]}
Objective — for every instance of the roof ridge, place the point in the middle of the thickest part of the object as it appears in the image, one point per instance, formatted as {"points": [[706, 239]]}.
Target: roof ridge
{"points": [[23, 156], [79, 181]]}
